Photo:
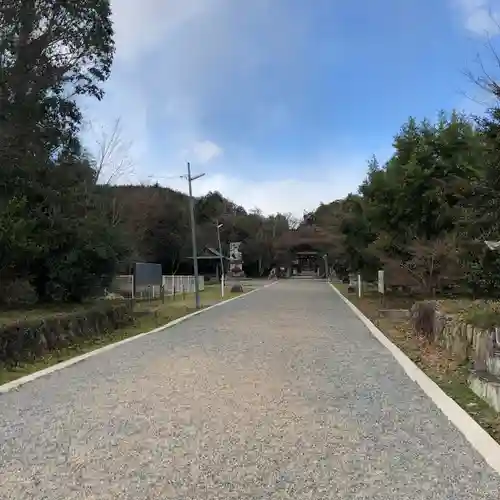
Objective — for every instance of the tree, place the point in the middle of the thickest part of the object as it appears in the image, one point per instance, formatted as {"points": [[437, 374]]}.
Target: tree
{"points": [[407, 208], [168, 236], [418, 192], [214, 206], [51, 52], [78, 248], [258, 246], [17, 244], [428, 265], [112, 161]]}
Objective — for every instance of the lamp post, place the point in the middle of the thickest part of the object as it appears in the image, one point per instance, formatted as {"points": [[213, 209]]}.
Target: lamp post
{"points": [[221, 259]]}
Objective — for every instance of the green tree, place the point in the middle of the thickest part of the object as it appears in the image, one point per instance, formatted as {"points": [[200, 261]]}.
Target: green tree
{"points": [[415, 205], [51, 52]]}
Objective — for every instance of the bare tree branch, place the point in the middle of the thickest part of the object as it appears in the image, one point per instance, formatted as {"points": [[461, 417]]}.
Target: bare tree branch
{"points": [[112, 161], [486, 81]]}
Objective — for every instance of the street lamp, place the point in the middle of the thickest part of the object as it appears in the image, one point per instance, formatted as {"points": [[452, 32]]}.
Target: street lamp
{"points": [[221, 260]]}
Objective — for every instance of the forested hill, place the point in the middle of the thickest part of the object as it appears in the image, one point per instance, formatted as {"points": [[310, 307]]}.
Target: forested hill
{"points": [[156, 223]]}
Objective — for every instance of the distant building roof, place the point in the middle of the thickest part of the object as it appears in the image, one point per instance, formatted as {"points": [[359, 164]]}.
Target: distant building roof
{"points": [[210, 253]]}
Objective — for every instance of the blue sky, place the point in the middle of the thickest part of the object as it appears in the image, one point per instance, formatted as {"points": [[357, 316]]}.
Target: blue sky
{"points": [[281, 102]]}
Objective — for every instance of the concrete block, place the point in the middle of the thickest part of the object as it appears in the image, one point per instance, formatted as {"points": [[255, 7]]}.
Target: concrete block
{"points": [[487, 387]]}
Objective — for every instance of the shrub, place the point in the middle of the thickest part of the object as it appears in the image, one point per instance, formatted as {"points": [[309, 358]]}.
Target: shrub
{"points": [[483, 275], [237, 288], [18, 293], [423, 318], [483, 314], [30, 339]]}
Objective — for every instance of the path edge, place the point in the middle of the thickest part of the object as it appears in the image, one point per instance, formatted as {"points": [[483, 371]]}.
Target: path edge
{"points": [[18, 382], [480, 440]]}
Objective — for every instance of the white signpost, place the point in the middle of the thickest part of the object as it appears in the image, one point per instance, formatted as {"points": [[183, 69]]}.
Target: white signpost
{"points": [[381, 285]]}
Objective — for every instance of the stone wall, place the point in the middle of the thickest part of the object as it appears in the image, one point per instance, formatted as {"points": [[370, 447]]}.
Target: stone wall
{"points": [[463, 340], [466, 343]]}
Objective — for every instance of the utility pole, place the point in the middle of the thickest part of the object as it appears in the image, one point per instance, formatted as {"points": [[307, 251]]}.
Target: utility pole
{"points": [[193, 234], [221, 259]]}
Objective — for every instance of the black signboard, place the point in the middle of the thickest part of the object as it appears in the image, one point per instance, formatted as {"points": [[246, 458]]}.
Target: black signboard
{"points": [[146, 274]]}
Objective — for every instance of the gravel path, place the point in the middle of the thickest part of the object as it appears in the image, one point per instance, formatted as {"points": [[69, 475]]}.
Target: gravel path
{"points": [[281, 395]]}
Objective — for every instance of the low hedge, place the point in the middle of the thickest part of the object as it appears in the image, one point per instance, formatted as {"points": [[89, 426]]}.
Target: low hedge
{"points": [[30, 339]]}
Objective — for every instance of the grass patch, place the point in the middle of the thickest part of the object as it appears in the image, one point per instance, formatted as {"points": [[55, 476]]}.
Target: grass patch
{"points": [[147, 316], [39, 312], [433, 360], [483, 314]]}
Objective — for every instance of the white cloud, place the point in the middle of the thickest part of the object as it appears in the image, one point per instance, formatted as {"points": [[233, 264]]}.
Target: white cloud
{"points": [[332, 177], [141, 26], [285, 195], [206, 151], [194, 50], [481, 17]]}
